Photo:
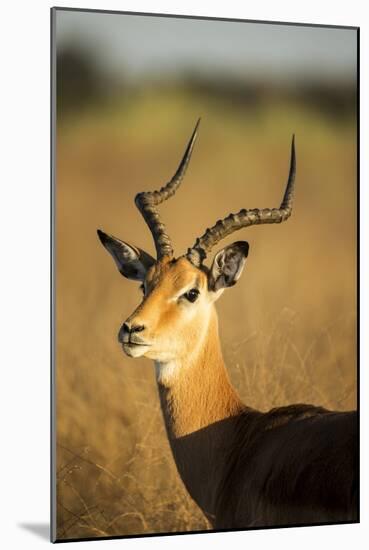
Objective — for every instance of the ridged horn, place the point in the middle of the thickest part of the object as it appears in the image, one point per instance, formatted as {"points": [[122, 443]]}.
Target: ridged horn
{"points": [[147, 202], [245, 218]]}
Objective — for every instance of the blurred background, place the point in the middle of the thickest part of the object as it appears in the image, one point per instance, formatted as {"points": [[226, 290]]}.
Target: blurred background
{"points": [[129, 92]]}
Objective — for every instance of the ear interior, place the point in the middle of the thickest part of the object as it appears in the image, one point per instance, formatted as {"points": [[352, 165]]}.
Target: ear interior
{"points": [[132, 262], [228, 265]]}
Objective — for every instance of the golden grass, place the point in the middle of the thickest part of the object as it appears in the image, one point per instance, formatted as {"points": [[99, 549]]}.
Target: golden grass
{"points": [[296, 298]]}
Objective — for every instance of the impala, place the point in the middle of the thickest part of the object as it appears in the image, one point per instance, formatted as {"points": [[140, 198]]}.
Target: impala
{"points": [[244, 468]]}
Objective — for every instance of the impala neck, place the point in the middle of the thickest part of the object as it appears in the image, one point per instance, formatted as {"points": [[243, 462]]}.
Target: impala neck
{"points": [[195, 391], [200, 409]]}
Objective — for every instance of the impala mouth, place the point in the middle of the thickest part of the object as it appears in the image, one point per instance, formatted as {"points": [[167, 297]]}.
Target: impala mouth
{"points": [[135, 344], [134, 349]]}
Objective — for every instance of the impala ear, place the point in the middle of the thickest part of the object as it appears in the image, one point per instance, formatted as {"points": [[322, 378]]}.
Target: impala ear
{"points": [[227, 266], [132, 262]]}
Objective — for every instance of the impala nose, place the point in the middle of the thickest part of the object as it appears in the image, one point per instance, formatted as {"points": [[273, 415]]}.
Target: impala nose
{"points": [[127, 329]]}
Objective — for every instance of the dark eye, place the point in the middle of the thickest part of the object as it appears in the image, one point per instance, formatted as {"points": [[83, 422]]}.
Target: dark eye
{"points": [[192, 295], [142, 287]]}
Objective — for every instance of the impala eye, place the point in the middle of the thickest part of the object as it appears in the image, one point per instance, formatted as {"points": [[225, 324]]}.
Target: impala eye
{"points": [[192, 295]]}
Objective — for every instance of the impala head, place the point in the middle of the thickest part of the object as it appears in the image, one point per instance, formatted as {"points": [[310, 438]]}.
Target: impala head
{"points": [[179, 293]]}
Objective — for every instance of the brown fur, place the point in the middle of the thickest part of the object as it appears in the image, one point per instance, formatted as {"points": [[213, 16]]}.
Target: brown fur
{"points": [[242, 467], [201, 393]]}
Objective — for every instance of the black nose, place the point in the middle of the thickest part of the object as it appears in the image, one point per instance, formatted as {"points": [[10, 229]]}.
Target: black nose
{"points": [[127, 329]]}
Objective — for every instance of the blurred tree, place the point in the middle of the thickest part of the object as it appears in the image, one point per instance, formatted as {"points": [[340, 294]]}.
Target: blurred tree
{"points": [[79, 80], [336, 100]]}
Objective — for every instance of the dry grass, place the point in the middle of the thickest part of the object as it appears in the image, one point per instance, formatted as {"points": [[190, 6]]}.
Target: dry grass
{"points": [[296, 298]]}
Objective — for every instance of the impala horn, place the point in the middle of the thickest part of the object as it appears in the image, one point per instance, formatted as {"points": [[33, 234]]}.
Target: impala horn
{"points": [[245, 218], [147, 202]]}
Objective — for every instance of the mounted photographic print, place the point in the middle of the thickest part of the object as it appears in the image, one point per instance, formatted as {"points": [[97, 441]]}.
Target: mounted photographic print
{"points": [[204, 261]]}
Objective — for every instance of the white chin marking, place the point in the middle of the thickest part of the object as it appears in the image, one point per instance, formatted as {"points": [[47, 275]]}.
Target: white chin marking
{"points": [[165, 372], [135, 351]]}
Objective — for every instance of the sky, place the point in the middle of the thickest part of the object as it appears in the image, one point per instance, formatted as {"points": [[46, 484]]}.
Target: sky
{"points": [[139, 45]]}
